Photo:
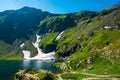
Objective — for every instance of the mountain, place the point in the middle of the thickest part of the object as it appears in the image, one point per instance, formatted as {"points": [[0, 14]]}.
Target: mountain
{"points": [[85, 22], [90, 39], [91, 45], [20, 26], [20, 23], [17, 26]]}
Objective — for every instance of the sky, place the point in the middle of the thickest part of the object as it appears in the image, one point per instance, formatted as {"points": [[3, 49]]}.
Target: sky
{"points": [[58, 6]]}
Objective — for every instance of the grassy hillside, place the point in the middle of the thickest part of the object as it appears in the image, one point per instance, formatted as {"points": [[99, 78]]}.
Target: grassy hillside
{"points": [[90, 47], [55, 24], [13, 51], [101, 49], [90, 44], [47, 43], [17, 27], [85, 22], [73, 37], [79, 28], [8, 51]]}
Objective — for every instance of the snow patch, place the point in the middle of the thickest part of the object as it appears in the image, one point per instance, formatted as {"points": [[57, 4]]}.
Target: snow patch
{"points": [[41, 55], [59, 36], [107, 27], [26, 54], [22, 45]]}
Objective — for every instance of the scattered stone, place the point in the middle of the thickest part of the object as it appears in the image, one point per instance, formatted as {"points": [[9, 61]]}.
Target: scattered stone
{"points": [[33, 74], [89, 60], [90, 67]]}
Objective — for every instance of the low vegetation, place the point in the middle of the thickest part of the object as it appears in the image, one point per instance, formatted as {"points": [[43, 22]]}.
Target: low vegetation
{"points": [[33, 74], [48, 43], [90, 43]]}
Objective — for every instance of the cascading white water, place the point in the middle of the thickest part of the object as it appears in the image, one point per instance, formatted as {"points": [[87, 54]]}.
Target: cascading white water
{"points": [[40, 55], [36, 44], [26, 54]]}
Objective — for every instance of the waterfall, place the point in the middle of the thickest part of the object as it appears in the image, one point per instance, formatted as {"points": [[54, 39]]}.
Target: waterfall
{"points": [[40, 55]]}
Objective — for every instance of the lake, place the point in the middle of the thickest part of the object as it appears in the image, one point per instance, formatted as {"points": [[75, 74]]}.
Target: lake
{"points": [[9, 67]]}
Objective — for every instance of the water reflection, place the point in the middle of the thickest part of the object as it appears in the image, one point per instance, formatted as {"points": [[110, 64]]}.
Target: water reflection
{"points": [[26, 64], [9, 68], [39, 64]]}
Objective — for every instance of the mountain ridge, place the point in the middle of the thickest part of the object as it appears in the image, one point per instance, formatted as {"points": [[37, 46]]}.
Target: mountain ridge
{"points": [[18, 26], [89, 42]]}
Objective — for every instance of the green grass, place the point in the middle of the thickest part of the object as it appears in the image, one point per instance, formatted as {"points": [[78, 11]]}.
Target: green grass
{"points": [[13, 51], [48, 43], [31, 71], [9, 52], [48, 39], [100, 66], [46, 76], [70, 76], [41, 75], [103, 49], [74, 76]]}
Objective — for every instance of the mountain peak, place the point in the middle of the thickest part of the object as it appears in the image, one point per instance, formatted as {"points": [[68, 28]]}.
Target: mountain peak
{"points": [[26, 8]]}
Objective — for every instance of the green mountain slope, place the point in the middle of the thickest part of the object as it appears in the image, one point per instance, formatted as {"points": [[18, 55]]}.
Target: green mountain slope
{"points": [[99, 54], [84, 43], [20, 23], [88, 24], [92, 45]]}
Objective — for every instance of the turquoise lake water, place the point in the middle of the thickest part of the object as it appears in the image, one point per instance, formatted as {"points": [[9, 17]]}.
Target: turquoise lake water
{"points": [[9, 67]]}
